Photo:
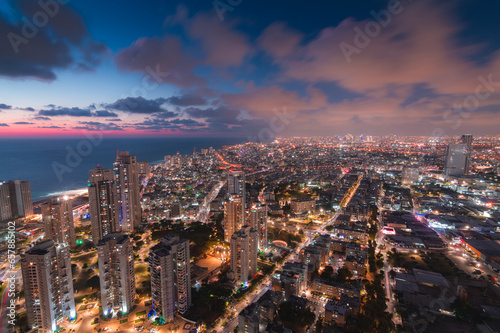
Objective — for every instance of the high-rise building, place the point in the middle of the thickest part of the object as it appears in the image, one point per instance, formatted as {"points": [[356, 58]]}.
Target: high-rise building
{"points": [[170, 270], [5, 205], [103, 203], [116, 273], [236, 181], [467, 139], [258, 221], [127, 186], [234, 216], [456, 160], [20, 198], [48, 285], [244, 246], [143, 169], [57, 216]]}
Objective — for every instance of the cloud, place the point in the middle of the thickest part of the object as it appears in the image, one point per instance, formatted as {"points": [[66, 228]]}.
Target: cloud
{"points": [[63, 111], [161, 60], [5, 106], [404, 53], [187, 100], [23, 123], [138, 105], [63, 43], [4, 124], [41, 118], [157, 125], [278, 40], [98, 126], [223, 44], [104, 113], [53, 126]]}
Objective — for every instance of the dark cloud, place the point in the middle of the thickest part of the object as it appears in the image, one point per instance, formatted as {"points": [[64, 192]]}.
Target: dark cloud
{"points": [[138, 105], [41, 118], [161, 60], [221, 115], [73, 112], [5, 106], [64, 42], [97, 126], [29, 109], [157, 124], [49, 127], [4, 124], [166, 114], [187, 100], [105, 113], [114, 120], [23, 123]]}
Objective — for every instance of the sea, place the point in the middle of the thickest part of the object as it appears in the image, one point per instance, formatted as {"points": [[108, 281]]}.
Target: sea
{"points": [[58, 166]]}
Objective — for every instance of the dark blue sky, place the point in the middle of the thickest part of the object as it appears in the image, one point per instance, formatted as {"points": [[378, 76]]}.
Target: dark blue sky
{"points": [[102, 65]]}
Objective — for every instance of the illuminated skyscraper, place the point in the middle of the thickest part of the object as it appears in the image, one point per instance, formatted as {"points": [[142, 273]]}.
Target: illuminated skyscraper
{"points": [[244, 248], [236, 186], [127, 185], [258, 221], [170, 269], [20, 198], [5, 205], [456, 160], [116, 273], [103, 203], [57, 216], [48, 286], [234, 216]]}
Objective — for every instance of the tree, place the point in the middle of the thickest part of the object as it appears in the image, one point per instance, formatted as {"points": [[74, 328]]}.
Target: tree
{"points": [[295, 316]]}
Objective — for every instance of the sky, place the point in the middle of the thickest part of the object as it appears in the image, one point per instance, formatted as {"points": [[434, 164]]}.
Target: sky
{"points": [[255, 69]]}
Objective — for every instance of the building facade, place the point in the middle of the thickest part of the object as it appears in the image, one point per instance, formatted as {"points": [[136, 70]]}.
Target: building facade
{"points": [[103, 203], [258, 221], [234, 216], [170, 269], [57, 217], [456, 160], [116, 273], [244, 248], [48, 286], [20, 198], [127, 186], [5, 205]]}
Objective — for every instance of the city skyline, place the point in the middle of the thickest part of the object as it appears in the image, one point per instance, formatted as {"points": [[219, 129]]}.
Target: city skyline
{"points": [[198, 69]]}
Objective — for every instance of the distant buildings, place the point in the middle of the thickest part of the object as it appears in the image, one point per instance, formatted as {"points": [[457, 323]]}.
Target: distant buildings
{"points": [[456, 161], [103, 203], [57, 216], [410, 175], [234, 216], [48, 286], [15, 200], [244, 246], [169, 264], [258, 221], [127, 186], [116, 273]]}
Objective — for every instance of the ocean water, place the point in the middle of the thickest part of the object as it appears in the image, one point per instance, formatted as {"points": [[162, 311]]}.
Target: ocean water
{"points": [[53, 166]]}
